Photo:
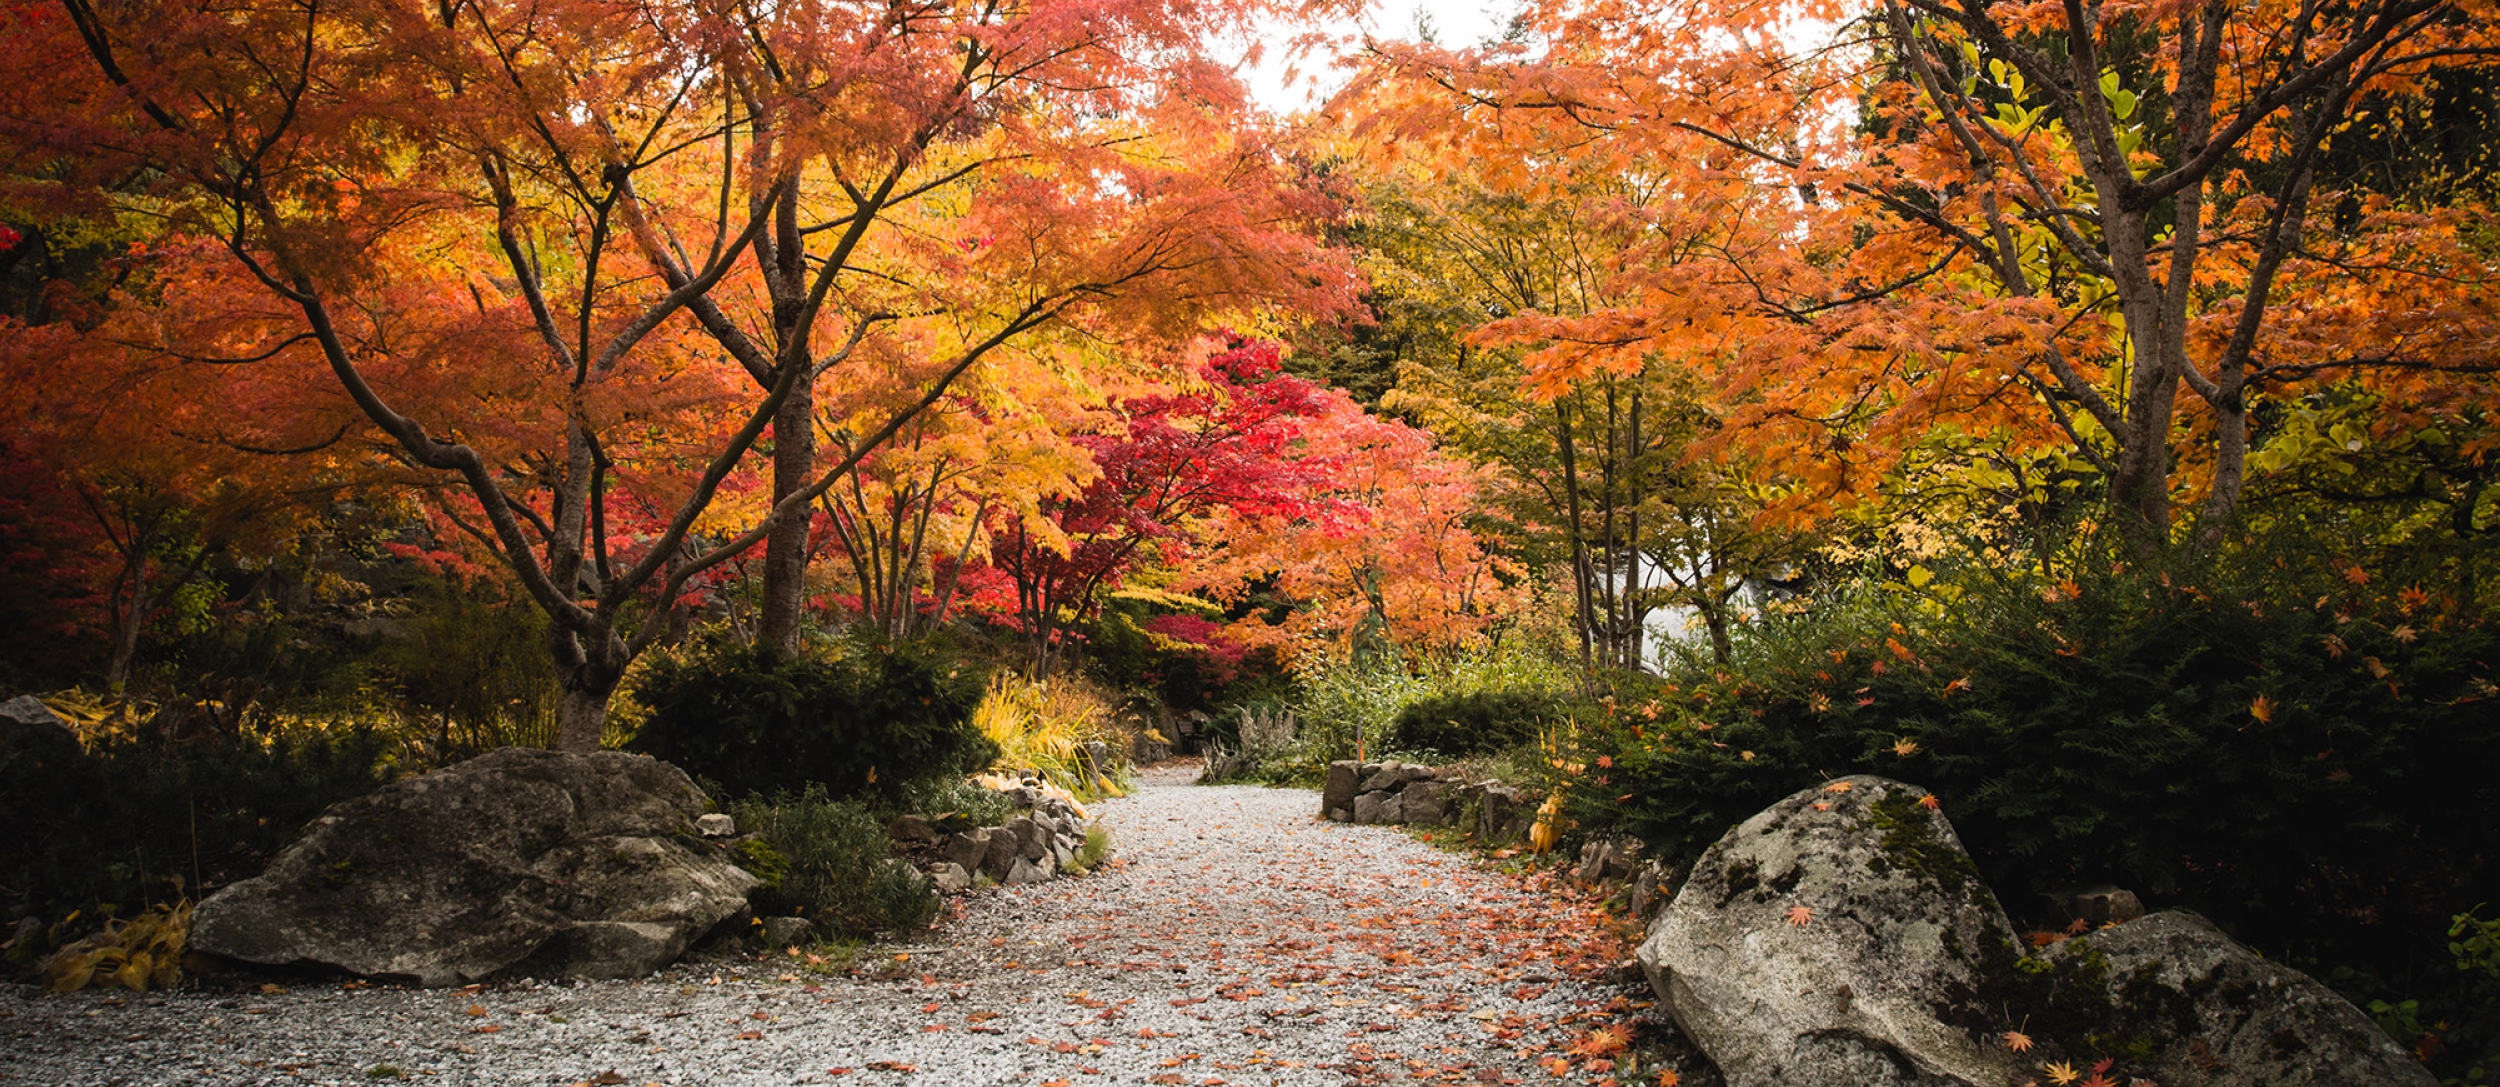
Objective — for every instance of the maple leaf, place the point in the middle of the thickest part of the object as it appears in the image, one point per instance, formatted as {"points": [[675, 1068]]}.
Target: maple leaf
{"points": [[1800, 916], [1837, 787], [1905, 747], [2060, 1072], [1930, 802], [2102, 1066], [2262, 708], [1605, 1041], [2017, 1041], [1670, 1078]]}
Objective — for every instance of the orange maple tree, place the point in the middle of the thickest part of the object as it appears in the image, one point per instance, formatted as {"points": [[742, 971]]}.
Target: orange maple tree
{"points": [[507, 236], [2099, 233]]}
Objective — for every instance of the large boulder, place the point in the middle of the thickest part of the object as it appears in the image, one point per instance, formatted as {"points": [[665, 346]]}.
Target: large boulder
{"points": [[1839, 936], [26, 721], [518, 861], [2212, 1013], [28, 712]]}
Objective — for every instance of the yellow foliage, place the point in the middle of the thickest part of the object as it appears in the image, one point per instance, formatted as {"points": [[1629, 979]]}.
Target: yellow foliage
{"points": [[142, 952], [1044, 727], [1548, 829]]}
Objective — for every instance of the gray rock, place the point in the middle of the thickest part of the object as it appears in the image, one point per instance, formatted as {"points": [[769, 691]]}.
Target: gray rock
{"points": [[1861, 988], [967, 849], [1005, 849], [1425, 803], [33, 739], [519, 860], [1062, 855], [1498, 807], [911, 829], [781, 932], [2097, 906], [1338, 793], [1624, 860], [1371, 808], [1025, 871], [1605, 858], [27, 712], [1032, 839], [950, 878], [2218, 1015], [1393, 774], [1593, 856], [1648, 889], [715, 825]]}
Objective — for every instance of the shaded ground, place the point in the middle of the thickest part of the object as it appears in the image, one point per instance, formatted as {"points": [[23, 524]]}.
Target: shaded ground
{"points": [[1233, 940]]}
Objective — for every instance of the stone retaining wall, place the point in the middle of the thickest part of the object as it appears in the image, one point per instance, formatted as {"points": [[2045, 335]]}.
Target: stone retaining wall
{"points": [[1400, 793], [1037, 844]]}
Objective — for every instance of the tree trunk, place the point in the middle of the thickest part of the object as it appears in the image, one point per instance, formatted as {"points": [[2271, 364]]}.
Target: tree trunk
{"points": [[133, 618], [784, 609], [581, 718], [589, 665], [1714, 617], [1579, 545]]}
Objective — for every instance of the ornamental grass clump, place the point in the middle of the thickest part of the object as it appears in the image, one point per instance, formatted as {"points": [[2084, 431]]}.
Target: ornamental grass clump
{"points": [[1044, 727]]}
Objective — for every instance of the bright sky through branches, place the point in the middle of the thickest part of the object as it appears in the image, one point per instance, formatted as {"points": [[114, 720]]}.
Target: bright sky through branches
{"points": [[1315, 74]]}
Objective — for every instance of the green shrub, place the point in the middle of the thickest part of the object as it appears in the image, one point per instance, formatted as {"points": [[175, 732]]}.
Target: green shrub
{"points": [[142, 820], [862, 719], [2263, 741], [1346, 706], [1476, 722], [1097, 846], [827, 860], [955, 803], [476, 663]]}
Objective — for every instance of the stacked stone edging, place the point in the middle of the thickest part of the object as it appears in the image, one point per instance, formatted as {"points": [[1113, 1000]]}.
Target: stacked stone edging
{"points": [[1039, 844], [1409, 794]]}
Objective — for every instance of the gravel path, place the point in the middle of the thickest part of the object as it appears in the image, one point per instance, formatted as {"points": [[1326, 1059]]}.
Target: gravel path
{"points": [[1233, 940]]}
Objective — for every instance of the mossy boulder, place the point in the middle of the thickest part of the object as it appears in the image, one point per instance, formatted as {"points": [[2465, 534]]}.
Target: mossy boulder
{"points": [[1837, 937], [1843, 936], [518, 861], [2184, 1005]]}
